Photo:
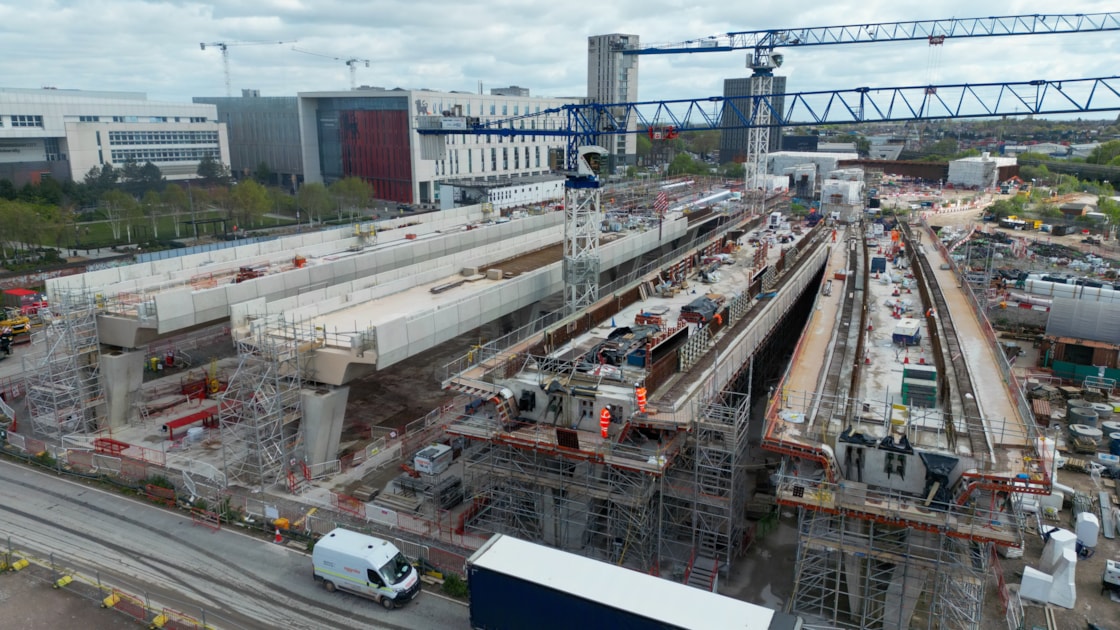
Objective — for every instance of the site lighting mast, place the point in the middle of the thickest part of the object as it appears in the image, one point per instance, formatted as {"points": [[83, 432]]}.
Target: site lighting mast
{"points": [[224, 47], [351, 63]]}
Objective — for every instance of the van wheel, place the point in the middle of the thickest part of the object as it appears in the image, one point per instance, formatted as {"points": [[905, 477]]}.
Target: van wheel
{"points": [[329, 585], [387, 603]]}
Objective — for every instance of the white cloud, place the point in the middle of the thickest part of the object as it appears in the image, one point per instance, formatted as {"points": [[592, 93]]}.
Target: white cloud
{"points": [[153, 47]]}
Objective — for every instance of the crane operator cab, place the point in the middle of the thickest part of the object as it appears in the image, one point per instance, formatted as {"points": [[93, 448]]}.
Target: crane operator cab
{"points": [[590, 162]]}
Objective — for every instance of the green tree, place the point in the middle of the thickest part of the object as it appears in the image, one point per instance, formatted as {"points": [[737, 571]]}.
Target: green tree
{"points": [[263, 174], [175, 199], [314, 199], [150, 175], [645, 147], [1107, 153], [702, 143], [249, 203], [682, 164], [732, 170], [152, 205], [1111, 209], [130, 171], [1005, 208], [351, 193], [281, 201], [213, 172], [1038, 173], [118, 207], [863, 146], [942, 149], [23, 227]]}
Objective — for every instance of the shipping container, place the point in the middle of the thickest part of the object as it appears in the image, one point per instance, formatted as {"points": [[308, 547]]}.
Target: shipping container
{"points": [[515, 584]]}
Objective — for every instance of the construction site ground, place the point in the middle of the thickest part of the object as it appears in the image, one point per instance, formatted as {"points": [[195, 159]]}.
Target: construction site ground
{"points": [[1092, 606], [392, 398], [409, 390], [29, 603]]}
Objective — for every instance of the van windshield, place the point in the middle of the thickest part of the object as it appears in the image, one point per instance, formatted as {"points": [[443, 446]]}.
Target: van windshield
{"points": [[396, 569]]}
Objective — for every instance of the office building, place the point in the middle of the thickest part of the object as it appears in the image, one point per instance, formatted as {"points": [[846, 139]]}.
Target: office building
{"points": [[262, 131], [612, 77], [372, 134], [733, 142], [65, 133]]}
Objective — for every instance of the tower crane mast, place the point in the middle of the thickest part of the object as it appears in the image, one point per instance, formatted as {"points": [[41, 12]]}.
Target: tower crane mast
{"points": [[351, 63], [225, 46], [762, 58], [587, 122]]}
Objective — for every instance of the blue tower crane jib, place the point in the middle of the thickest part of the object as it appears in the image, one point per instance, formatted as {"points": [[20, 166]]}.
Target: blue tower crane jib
{"points": [[586, 122], [934, 31]]}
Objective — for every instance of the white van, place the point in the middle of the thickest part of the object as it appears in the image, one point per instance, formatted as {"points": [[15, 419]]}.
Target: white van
{"points": [[365, 565]]}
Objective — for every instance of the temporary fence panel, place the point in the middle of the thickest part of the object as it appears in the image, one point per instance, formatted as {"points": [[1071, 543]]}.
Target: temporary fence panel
{"points": [[128, 604], [175, 620]]}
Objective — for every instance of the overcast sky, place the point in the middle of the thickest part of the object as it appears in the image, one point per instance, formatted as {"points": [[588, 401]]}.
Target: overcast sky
{"points": [[153, 46]]}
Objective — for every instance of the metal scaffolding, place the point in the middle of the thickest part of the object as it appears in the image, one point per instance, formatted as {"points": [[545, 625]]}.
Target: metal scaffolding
{"points": [[584, 505], [872, 557], [260, 410], [673, 508], [707, 491], [856, 573], [65, 393]]}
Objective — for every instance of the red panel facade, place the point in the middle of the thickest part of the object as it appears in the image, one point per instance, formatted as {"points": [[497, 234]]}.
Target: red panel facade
{"points": [[375, 148]]}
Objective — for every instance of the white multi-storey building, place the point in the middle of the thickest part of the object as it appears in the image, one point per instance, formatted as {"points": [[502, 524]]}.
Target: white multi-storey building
{"points": [[65, 133], [372, 133], [612, 77]]}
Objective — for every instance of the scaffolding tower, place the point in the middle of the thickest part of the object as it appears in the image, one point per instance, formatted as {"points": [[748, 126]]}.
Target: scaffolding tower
{"points": [[670, 507], [856, 573], [707, 492], [65, 393], [260, 409], [874, 557], [583, 505]]}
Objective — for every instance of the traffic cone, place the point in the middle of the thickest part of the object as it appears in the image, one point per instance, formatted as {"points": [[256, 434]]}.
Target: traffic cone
{"points": [[867, 359], [922, 360], [612, 323], [906, 360], [278, 539]]}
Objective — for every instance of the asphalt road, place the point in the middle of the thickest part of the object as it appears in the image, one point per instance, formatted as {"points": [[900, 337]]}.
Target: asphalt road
{"points": [[239, 580]]}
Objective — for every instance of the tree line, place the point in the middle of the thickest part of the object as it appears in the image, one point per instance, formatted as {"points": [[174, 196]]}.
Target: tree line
{"points": [[140, 205]]}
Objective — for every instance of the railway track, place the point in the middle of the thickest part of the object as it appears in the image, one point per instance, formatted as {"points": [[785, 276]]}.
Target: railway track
{"points": [[845, 356], [948, 352]]}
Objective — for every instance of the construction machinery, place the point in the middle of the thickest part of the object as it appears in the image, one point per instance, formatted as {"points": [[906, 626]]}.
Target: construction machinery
{"points": [[224, 47], [351, 63], [17, 324], [762, 59], [587, 122]]}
